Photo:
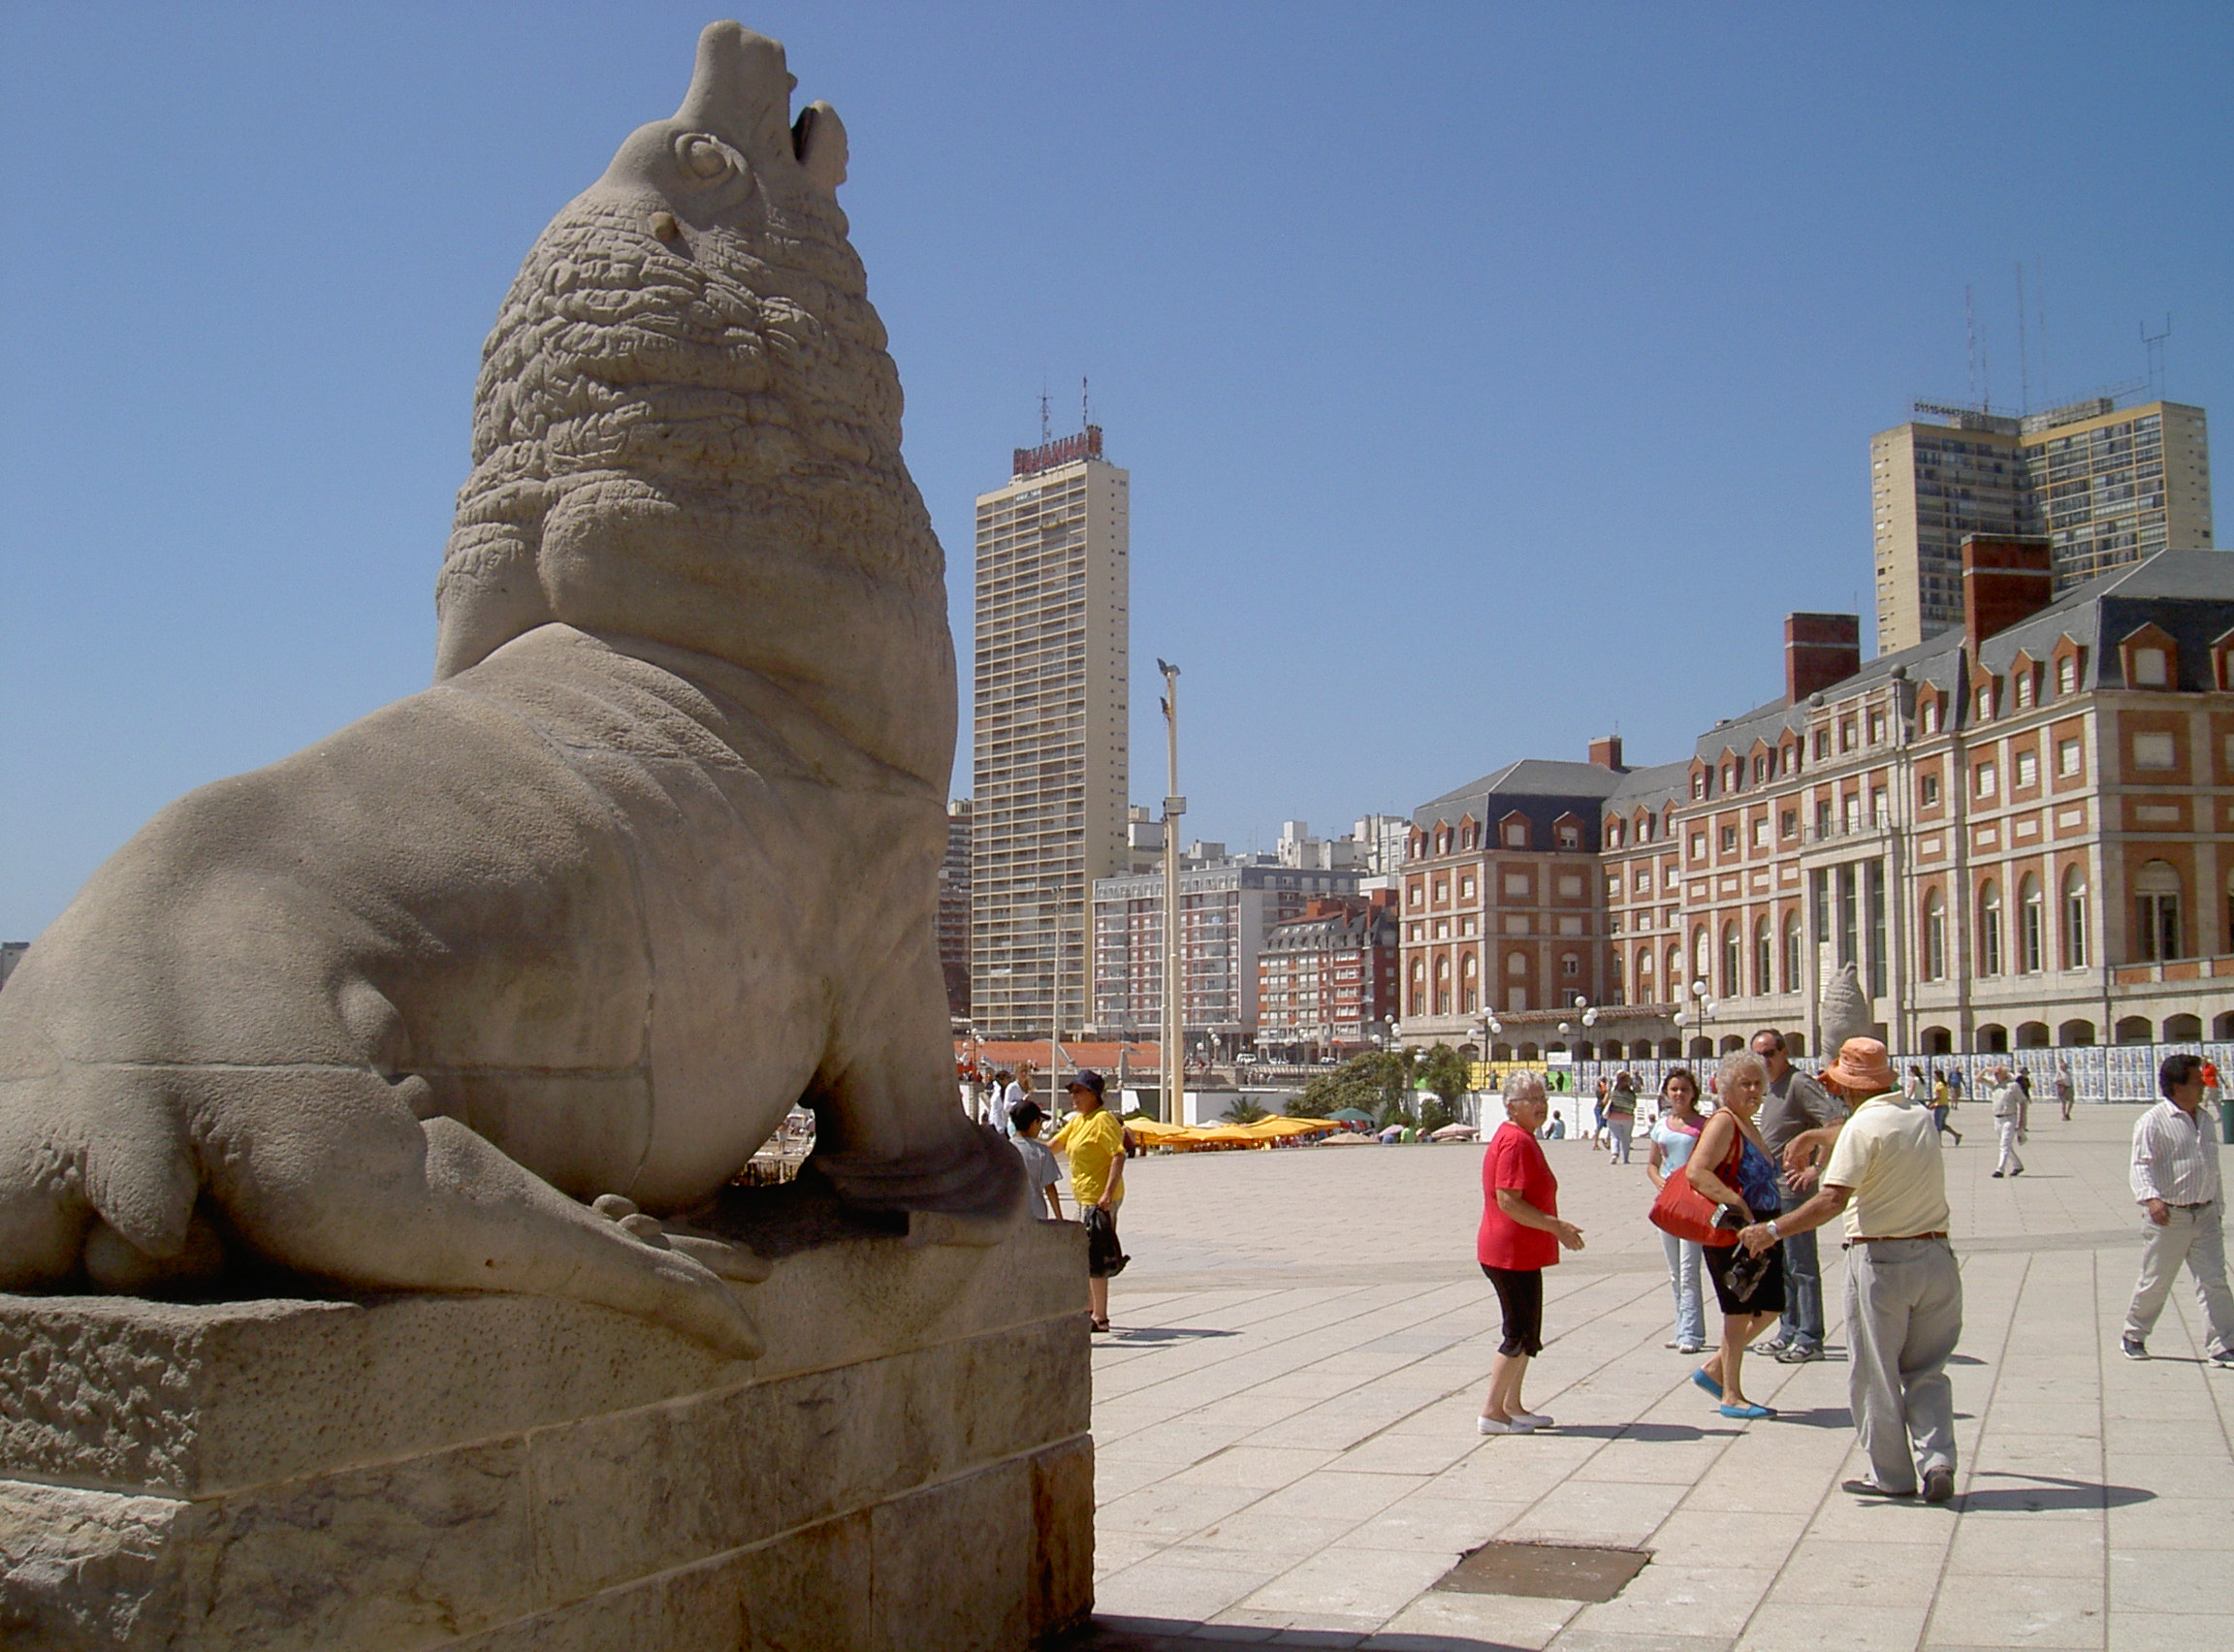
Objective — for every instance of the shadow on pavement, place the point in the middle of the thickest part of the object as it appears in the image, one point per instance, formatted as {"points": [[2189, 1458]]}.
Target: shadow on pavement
{"points": [[1164, 1333], [1649, 1433], [2045, 1492], [1819, 1416]]}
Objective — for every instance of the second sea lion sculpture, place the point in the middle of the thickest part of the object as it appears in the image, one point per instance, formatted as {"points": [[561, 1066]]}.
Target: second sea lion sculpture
{"points": [[655, 859]]}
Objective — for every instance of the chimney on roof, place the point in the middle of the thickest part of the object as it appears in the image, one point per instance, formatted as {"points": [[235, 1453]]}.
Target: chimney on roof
{"points": [[1606, 753], [2004, 580], [1819, 650]]}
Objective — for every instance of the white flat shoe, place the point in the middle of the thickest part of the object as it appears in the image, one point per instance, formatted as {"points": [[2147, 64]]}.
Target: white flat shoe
{"points": [[1490, 1425], [1533, 1419]]}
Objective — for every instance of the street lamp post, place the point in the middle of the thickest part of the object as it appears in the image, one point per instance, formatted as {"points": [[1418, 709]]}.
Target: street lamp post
{"points": [[1705, 1007]]}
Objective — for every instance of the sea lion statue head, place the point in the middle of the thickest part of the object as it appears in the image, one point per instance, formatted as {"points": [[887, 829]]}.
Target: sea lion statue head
{"points": [[686, 428]]}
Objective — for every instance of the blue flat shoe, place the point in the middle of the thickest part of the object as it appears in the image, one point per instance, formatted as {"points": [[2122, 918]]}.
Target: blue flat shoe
{"points": [[1748, 1414], [1707, 1383]]}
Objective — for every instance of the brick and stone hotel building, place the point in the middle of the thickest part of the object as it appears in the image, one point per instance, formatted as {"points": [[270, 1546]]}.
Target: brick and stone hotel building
{"points": [[2019, 833]]}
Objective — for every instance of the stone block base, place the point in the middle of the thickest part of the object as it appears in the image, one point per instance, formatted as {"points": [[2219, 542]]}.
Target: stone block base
{"points": [[908, 1467]]}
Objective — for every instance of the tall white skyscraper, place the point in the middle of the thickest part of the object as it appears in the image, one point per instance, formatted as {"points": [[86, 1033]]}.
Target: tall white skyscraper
{"points": [[1047, 808]]}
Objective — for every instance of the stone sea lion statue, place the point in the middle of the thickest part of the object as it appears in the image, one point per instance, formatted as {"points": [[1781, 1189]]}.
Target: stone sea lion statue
{"points": [[1845, 1010], [654, 858]]}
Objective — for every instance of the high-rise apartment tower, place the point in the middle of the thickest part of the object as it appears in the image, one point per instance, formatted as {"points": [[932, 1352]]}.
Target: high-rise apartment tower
{"points": [[1051, 737], [2104, 485]]}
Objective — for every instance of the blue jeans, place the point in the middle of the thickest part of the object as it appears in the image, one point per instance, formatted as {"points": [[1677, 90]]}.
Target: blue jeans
{"points": [[1683, 1280], [1802, 1322]]}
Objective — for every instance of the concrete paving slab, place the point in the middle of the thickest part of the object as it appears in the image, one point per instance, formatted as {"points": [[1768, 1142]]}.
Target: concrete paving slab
{"points": [[1288, 1452]]}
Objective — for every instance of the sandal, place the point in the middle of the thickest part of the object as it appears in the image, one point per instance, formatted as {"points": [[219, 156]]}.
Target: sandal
{"points": [[1094, 1324]]}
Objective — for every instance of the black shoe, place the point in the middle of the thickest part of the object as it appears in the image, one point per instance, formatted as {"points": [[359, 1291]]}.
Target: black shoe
{"points": [[2019, 1171], [1871, 1488], [1938, 1484], [2132, 1347], [1996, 1175]]}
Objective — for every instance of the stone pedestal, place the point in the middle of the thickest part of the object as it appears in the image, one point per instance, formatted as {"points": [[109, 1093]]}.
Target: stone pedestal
{"points": [[907, 1467]]}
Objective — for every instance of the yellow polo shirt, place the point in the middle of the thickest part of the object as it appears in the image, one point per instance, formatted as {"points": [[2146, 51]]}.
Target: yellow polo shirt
{"points": [[1094, 1141], [1889, 1155]]}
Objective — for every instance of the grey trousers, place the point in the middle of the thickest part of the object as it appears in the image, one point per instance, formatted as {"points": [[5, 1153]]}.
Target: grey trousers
{"points": [[2189, 1236], [1903, 1317]]}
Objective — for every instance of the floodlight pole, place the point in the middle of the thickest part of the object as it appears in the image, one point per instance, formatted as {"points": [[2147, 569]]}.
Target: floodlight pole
{"points": [[1173, 1063]]}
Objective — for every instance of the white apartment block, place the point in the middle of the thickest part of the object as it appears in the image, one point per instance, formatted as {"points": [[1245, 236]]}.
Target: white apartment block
{"points": [[1052, 702]]}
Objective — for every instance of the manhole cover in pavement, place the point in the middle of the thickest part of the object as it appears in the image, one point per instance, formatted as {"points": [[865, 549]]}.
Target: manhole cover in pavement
{"points": [[1558, 1572]]}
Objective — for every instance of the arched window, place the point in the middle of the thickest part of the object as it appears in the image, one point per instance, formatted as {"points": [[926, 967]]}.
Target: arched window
{"points": [[2157, 911], [1732, 981], [1645, 975], [1794, 974], [1702, 956], [2031, 928], [1416, 998], [1764, 957], [1934, 936], [1674, 989], [1990, 929], [1442, 986], [1468, 987], [2075, 919]]}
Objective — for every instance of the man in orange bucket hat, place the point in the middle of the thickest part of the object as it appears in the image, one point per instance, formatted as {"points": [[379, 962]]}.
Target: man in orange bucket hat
{"points": [[1903, 1292]]}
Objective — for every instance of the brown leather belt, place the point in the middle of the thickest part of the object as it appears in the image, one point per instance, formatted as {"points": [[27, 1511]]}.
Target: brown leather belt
{"points": [[1901, 1239]]}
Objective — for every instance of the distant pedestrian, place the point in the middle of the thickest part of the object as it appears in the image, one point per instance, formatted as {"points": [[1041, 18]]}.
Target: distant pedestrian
{"points": [[2176, 1180], [1943, 1106], [996, 1102], [1095, 1143], [1730, 1166], [2065, 1091], [1557, 1129], [1040, 1171], [1795, 1102], [1621, 1117], [1918, 1087], [2012, 1113], [1519, 1237], [2210, 1083], [1598, 1117], [1674, 1134], [1903, 1292]]}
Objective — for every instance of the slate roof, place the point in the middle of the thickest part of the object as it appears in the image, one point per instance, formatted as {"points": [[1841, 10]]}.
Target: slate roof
{"points": [[2189, 594]]}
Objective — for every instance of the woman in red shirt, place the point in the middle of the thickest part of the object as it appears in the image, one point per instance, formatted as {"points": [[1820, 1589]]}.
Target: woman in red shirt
{"points": [[1519, 1238]]}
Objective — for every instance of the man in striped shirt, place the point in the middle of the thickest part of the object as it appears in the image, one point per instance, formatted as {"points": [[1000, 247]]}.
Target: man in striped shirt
{"points": [[2176, 1181]]}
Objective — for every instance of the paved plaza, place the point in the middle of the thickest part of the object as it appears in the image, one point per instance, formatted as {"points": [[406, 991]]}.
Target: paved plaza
{"points": [[1284, 1421]]}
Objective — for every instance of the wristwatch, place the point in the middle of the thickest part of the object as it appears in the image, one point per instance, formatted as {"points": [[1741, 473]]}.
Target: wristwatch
{"points": [[1773, 1233]]}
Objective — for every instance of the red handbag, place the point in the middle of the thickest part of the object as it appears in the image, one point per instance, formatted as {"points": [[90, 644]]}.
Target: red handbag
{"points": [[1689, 1214]]}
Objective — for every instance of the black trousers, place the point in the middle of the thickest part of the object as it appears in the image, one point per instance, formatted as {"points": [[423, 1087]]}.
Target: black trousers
{"points": [[1520, 1293]]}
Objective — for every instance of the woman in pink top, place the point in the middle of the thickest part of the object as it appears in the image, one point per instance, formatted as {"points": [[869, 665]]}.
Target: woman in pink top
{"points": [[1519, 1237]]}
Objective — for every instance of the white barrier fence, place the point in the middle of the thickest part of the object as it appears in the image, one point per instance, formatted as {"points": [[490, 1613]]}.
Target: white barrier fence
{"points": [[2099, 1072]]}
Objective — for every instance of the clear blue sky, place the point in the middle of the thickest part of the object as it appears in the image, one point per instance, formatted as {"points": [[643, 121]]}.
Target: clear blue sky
{"points": [[1489, 375]]}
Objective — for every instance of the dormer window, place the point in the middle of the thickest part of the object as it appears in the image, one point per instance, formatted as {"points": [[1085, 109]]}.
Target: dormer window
{"points": [[1697, 785], [1930, 716], [1729, 776], [1984, 702], [1570, 836], [2022, 687], [2067, 675], [1516, 834], [2151, 669]]}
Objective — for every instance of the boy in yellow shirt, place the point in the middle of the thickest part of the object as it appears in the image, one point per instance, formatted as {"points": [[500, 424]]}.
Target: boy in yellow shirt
{"points": [[1094, 1141]]}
